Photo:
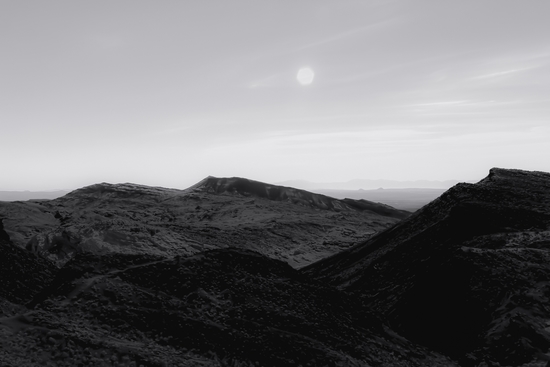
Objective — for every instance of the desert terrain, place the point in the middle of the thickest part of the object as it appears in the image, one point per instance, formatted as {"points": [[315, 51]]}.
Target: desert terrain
{"points": [[234, 272]]}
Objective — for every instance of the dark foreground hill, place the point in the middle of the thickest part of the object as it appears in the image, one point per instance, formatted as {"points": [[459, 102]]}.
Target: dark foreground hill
{"points": [[467, 275], [226, 307], [281, 222]]}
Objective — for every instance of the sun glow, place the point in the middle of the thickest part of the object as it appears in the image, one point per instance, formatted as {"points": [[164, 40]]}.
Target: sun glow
{"points": [[305, 76]]}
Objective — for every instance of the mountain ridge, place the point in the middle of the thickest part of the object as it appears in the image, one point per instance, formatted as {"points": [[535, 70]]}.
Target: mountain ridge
{"points": [[285, 223], [451, 275], [370, 184], [248, 187]]}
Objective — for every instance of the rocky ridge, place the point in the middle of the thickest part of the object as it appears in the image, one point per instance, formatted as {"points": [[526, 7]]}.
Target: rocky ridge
{"points": [[283, 223], [301, 197], [467, 275]]}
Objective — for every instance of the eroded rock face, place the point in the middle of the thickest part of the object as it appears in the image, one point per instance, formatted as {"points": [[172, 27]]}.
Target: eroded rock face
{"points": [[283, 223], [467, 275]]}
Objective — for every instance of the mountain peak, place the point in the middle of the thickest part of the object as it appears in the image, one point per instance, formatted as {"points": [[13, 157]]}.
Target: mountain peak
{"points": [[242, 186], [246, 187], [506, 176]]}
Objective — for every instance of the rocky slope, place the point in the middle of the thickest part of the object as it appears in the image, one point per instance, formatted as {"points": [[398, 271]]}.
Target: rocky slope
{"points": [[226, 307], [467, 275], [22, 274], [296, 196], [281, 222]]}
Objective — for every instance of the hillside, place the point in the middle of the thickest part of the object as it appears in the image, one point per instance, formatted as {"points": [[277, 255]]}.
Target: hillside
{"points": [[466, 275], [283, 223], [22, 273], [225, 307]]}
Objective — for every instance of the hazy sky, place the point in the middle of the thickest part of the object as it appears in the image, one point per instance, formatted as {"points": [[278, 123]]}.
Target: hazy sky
{"points": [[165, 93]]}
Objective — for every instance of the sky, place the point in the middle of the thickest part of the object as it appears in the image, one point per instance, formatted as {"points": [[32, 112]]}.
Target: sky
{"points": [[165, 93]]}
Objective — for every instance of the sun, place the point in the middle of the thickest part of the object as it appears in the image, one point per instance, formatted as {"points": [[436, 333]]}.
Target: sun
{"points": [[305, 76]]}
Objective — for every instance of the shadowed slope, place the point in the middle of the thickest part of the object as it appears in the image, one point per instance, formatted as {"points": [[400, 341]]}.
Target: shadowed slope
{"points": [[22, 274], [467, 274], [227, 307]]}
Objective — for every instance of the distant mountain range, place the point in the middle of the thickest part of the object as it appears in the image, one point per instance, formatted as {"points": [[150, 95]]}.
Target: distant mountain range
{"points": [[404, 199], [369, 184], [31, 195]]}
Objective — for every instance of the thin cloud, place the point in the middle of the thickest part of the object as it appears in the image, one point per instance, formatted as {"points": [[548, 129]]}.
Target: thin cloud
{"points": [[440, 104], [273, 80], [347, 139], [430, 106], [349, 33], [502, 73]]}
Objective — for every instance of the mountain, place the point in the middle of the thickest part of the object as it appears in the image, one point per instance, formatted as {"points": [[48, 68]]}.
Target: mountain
{"points": [[467, 275], [301, 197], [283, 223]]}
